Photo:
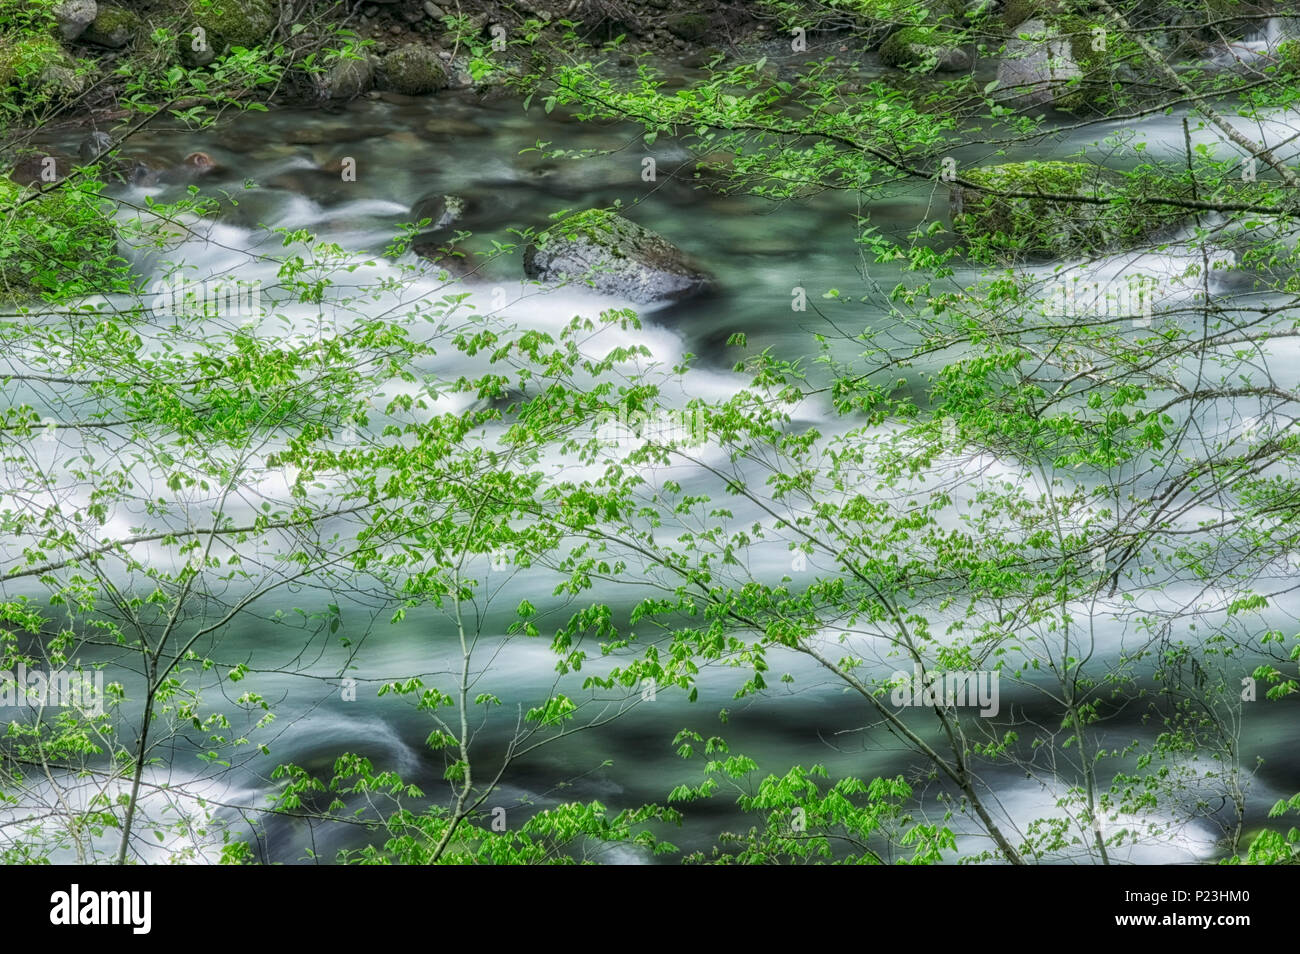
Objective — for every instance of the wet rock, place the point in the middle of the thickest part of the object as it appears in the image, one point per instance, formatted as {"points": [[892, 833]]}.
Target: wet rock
{"points": [[694, 61], [442, 211], [94, 146], [346, 79], [451, 126], [1007, 228], [332, 133], [616, 257], [414, 70], [39, 169], [1037, 67], [924, 48], [195, 166]]}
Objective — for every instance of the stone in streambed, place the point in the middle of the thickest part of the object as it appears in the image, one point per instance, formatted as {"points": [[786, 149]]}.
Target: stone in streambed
{"points": [[346, 79], [414, 70], [1006, 228], [442, 211], [924, 47], [615, 256], [1037, 67]]}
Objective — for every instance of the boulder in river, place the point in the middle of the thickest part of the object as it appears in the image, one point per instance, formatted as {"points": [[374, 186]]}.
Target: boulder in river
{"points": [[414, 70], [1038, 67], [1062, 62], [616, 257], [926, 48], [1001, 227], [346, 79], [442, 211], [94, 146]]}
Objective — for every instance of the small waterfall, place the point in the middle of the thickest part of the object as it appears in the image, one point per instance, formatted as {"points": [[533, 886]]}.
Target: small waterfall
{"points": [[1267, 32]]}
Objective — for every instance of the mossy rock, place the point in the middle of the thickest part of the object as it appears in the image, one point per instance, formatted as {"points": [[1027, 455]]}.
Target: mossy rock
{"points": [[22, 62], [230, 23], [903, 46], [1099, 69], [1001, 228], [691, 27], [1016, 12], [912, 47], [345, 78], [615, 256], [113, 27], [1288, 57], [61, 242], [37, 70], [414, 70]]}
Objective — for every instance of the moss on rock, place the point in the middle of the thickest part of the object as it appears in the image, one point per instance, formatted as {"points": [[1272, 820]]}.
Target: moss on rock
{"points": [[1288, 57], [414, 70], [58, 242], [229, 23], [911, 47], [615, 256], [23, 61], [36, 71], [1016, 12], [113, 27], [691, 27], [1002, 228], [905, 47]]}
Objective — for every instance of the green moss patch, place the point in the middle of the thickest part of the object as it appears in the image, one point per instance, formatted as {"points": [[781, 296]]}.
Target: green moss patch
{"points": [[60, 242]]}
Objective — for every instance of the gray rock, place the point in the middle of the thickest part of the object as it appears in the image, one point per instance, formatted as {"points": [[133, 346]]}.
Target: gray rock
{"points": [[952, 59], [73, 16], [442, 211], [94, 146], [1036, 67], [616, 257], [62, 80], [346, 79], [431, 9]]}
